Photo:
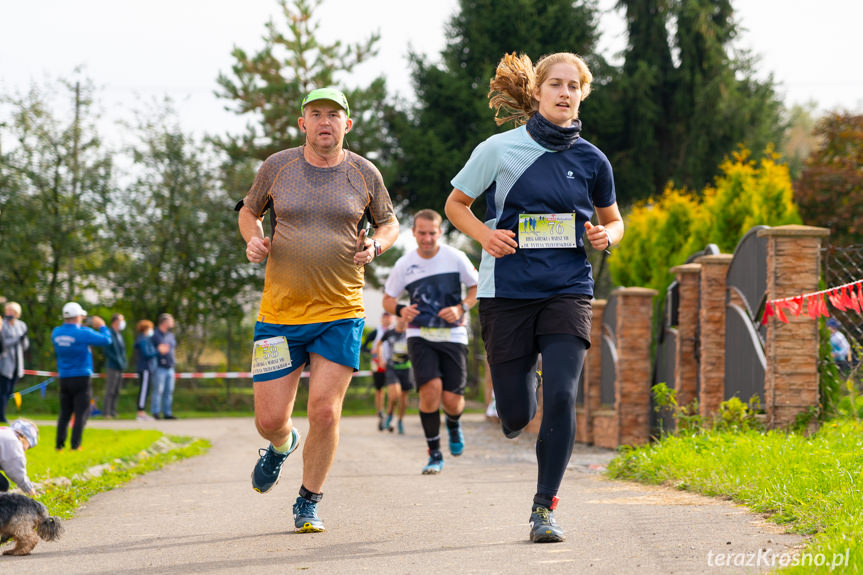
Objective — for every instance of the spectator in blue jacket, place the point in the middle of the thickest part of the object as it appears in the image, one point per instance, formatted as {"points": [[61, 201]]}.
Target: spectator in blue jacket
{"points": [[163, 382], [146, 354], [72, 342], [115, 363]]}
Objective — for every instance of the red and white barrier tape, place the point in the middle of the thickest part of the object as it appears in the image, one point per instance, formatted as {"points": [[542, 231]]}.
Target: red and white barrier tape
{"points": [[186, 374]]}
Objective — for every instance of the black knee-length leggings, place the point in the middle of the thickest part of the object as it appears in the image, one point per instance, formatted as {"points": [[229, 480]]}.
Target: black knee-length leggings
{"points": [[74, 398], [514, 384]]}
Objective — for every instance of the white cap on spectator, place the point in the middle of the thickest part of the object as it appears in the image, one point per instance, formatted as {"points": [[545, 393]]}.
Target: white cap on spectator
{"points": [[73, 309]]}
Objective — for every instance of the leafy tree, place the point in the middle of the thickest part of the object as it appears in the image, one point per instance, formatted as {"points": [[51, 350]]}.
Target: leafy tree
{"points": [[56, 194], [451, 115], [180, 249], [662, 233], [800, 139], [830, 189]]}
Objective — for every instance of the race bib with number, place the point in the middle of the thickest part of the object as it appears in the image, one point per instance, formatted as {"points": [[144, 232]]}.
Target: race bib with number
{"points": [[436, 333], [271, 354], [546, 231]]}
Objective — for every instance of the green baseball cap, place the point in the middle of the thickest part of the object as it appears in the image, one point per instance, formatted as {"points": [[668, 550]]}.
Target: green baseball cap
{"points": [[330, 94]]}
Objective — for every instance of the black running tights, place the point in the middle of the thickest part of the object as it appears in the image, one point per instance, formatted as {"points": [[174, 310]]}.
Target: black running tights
{"points": [[514, 384]]}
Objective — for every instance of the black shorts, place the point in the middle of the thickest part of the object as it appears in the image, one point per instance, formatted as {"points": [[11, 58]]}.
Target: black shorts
{"points": [[379, 378], [403, 376], [510, 326], [443, 359]]}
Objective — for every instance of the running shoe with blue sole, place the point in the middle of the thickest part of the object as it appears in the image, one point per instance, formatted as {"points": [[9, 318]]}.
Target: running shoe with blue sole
{"points": [[456, 440], [435, 464], [306, 518], [266, 473]]}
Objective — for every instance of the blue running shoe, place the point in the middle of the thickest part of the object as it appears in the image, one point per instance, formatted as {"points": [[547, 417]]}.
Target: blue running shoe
{"points": [[435, 464], [401, 427], [543, 527], [306, 518], [456, 440], [266, 472], [388, 424]]}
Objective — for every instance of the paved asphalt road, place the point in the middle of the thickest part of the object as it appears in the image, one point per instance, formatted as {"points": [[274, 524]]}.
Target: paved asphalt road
{"points": [[382, 516]]}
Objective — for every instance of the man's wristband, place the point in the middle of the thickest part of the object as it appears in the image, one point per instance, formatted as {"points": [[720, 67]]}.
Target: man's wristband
{"points": [[464, 307], [399, 308], [378, 250]]}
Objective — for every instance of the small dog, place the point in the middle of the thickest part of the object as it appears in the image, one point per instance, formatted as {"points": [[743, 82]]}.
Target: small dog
{"points": [[22, 519]]}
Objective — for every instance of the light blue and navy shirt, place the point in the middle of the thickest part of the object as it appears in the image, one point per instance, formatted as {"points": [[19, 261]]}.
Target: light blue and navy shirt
{"points": [[519, 176]]}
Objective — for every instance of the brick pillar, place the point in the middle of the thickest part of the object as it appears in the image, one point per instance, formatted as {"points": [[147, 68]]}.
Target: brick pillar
{"points": [[686, 362], [632, 388], [791, 350], [592, 375], [711, 333]]}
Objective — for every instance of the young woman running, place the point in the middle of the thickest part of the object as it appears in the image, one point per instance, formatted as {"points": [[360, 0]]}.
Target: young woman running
{"points": [[543, 183]]}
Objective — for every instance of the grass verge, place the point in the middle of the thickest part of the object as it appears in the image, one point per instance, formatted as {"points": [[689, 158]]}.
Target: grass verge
{"points": [[810, 484], [109, 459]]}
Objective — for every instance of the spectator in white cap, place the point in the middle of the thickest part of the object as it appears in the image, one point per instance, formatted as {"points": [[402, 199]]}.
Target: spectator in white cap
{"points": [[14, 441], [72, 342]]}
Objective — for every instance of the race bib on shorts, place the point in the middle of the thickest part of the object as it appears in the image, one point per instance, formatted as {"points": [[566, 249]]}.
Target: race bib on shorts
{"points": [[546, 231], [436, 333], [271, 354]]}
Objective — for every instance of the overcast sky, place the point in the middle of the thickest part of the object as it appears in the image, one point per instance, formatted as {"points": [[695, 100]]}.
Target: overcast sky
{"points": [[141, 50]]}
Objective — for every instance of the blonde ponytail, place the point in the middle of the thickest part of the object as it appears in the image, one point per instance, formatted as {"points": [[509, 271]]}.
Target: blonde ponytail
{"points": [[510, 92]]}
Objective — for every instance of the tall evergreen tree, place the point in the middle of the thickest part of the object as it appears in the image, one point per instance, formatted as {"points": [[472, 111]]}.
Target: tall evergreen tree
{"points": [[687, 98], [268, 86], [451, 115]]}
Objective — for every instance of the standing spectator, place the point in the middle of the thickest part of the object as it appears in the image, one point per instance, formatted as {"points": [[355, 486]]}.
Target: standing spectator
{"points": [[14, 441], [437, 333], [13, 343], [146, 354], [163, 383], [839, 347], [535, 278], [115, 363], [311, 310], [72, 342]]}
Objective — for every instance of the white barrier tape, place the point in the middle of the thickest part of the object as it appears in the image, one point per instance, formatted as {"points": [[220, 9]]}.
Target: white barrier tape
{"points": [[187, 374]]}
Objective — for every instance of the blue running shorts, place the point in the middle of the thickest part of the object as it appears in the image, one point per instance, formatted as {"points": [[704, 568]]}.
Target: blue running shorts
{"points": [[338, 341]]}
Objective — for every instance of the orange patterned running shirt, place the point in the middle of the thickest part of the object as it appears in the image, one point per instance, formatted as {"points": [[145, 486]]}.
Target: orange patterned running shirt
{"points": [[311, 276]]}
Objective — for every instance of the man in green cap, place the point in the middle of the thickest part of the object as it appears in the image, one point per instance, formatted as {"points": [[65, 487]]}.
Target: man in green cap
{"points": [[311, 313]]}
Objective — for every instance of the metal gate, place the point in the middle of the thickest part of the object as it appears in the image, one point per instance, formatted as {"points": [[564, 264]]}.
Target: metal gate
{"points": [[746, 292], [609, 353]]}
